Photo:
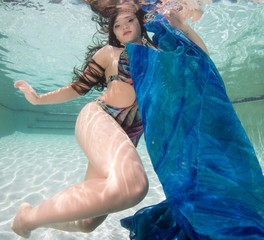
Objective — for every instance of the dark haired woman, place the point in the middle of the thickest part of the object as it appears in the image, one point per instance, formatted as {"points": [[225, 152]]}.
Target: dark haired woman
{"points": [[107, 130]]}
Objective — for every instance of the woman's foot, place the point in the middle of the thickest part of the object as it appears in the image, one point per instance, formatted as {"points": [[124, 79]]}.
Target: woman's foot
{"points": [[20, 225]]}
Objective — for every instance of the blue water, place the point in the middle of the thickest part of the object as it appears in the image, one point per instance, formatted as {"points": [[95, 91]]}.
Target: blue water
{"points": [[41, 41]]}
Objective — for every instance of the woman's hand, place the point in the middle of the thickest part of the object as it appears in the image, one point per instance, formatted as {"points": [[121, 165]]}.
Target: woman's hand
{"points": [[28, 91], [176, 19]]}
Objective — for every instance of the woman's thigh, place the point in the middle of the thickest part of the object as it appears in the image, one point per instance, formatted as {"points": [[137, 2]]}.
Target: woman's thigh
{"points": [[104, 142]]}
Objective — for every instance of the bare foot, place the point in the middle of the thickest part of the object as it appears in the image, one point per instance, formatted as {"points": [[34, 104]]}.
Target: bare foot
{"points": [[19, 225]]}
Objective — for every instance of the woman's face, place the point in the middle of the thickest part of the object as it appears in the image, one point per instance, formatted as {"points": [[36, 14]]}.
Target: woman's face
{"points": [[127, 28]]}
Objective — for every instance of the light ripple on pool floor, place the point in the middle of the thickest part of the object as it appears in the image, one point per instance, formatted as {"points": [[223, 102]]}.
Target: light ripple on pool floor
{"points": [[35, 167]]}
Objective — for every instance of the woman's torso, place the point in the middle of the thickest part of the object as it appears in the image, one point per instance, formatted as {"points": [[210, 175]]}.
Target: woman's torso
{"points": [[118, 93]]}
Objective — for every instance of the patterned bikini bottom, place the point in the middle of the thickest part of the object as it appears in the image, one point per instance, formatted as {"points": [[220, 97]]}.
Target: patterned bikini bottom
{"points": [[127, 117]]}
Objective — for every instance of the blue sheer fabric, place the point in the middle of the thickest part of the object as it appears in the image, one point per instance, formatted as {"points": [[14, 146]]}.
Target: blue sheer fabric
{"points": [[205, 162]]}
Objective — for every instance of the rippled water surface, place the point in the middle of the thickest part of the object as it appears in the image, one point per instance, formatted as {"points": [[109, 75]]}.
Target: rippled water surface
{"points": [[41, 42]]}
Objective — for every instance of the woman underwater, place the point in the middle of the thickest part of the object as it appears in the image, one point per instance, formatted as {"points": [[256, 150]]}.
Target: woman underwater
{"points": [[207, 166], [107, 130]]}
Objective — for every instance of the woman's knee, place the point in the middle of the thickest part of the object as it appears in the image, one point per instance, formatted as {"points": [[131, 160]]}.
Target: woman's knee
{"points": [[140, 188], [129, 192], [137, 182]]}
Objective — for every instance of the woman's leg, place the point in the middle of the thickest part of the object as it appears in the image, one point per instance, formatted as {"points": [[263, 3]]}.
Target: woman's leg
{"points": [[90, 224], [122, 182], [83, 225]]}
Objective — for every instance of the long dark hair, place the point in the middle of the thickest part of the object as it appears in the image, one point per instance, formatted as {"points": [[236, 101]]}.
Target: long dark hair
{"points": [[81, 83]]}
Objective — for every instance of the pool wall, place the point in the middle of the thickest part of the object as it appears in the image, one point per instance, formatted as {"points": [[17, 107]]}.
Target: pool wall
{"points": [[35, 122], [7, 121]]}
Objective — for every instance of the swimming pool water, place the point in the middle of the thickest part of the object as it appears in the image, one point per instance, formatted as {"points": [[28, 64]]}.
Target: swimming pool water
{"points": [[40, 42]]}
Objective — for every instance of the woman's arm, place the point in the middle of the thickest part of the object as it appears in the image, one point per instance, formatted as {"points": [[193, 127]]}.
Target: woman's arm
{"points": [[94, 73], [177, 21], [63, 94], [94, 70]]}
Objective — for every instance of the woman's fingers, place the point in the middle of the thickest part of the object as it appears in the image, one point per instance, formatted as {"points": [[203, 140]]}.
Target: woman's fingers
{"points": [[28, 91], [20, 83], [175, 18]]}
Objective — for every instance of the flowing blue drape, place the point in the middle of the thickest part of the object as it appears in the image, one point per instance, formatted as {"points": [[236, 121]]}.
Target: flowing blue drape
{"points": [[205, 162]]}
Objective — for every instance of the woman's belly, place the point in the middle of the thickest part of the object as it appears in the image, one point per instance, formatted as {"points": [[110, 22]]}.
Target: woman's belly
{"points": [[119, 94]]}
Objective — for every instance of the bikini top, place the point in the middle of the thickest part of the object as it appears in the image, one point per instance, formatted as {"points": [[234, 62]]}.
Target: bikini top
{"points": [[123, 74]]}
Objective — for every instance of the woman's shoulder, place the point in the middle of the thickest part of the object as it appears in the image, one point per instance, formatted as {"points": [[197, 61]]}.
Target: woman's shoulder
{"points": [[108, 49], [105, 55]]}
